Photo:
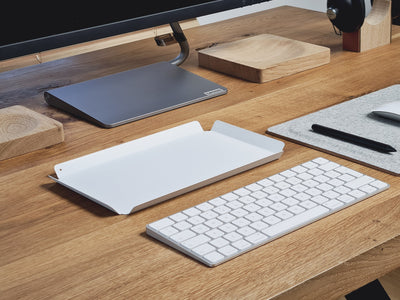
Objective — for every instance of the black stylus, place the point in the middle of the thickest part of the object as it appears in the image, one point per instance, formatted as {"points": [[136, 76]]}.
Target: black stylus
{"points": [[351, 138]]}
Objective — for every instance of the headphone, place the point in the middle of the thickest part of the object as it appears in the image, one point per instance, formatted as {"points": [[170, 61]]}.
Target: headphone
{"points": [[346, 15]]}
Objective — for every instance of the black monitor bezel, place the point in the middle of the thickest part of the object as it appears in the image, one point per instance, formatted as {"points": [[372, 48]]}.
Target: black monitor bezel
{"points": [[124, 26]]}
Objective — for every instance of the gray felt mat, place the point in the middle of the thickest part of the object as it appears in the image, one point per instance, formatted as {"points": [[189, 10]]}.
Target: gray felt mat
{"points": [[354, 117]]}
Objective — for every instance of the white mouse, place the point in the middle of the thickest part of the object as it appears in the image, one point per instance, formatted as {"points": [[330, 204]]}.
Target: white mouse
{"points": [[389, 110]]}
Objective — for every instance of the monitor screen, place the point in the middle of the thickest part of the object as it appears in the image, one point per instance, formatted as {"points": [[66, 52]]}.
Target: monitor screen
{"points": [[31, 28]]}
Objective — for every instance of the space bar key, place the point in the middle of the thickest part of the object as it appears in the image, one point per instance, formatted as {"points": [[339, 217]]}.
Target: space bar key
{"points": [[296, 221]]}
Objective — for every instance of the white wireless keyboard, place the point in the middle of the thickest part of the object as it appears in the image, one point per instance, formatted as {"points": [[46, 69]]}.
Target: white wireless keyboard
{"points": [[225, 227]]}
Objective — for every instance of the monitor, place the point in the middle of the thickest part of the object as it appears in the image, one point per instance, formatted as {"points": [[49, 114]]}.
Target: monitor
{"points": [[118, 98], [32, 27]]}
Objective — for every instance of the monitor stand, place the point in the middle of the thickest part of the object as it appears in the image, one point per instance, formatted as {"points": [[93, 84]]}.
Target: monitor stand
{"points": [[135, 94]]}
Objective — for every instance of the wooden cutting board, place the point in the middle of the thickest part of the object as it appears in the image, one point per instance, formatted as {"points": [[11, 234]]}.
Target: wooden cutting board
{"points": [[23, 130], [264, 57]]}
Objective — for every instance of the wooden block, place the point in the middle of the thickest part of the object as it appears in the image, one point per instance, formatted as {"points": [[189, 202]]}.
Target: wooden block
{"points": [[264, 57], [23, 130]]}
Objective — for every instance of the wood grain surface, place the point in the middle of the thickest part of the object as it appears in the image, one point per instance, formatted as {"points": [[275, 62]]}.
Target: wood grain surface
{"points": [[55, 244], [263, 57], [23, 130]]}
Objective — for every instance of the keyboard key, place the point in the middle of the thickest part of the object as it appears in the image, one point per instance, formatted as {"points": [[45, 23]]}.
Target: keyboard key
{"points": [[219, 242], [224, 227], [329, 166], [346, 198], [265, 182], [208, 215], [254, 187], [379, 184], [332, 204], [319, 199], [228, 227], [217, 201], [230, 196], [241, 222], [276, 197], [302, 196], [331, 194], [214, 257], [213, 223], [162, 223], [357, 193], [283, 214], [310, 165], [278, 206], [313, 192], [242, 192], [191, 211], [222, 209], [178, 217], [266, 211], [203, 249], [293, 180], [169, 230], [215, 233], [204, 206], [228, 250], [246, 231], [201, 228], [296, 209], [259, 195], [320, 160], [240, 212], [183, 235], [241, 244], [259, 225], [271, 220], [226, 218], [247, 199], [288, 173], [308, 204], [254, 217], [277, 178], [252, 207], [182, 225], [360, 181], [290, 201], [196, 241], [287, 192], [299, 169], [196, 220], [233, 236], [256, 237], [368, 189], [234, 204], [296, 221], [346, 177]]}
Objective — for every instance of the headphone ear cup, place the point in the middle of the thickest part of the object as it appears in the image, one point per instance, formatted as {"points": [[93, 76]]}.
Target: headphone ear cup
{"points": [[346, 15]]}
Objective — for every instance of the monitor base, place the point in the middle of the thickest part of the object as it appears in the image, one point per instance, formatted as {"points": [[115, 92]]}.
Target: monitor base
{"points": [[135, 94]]}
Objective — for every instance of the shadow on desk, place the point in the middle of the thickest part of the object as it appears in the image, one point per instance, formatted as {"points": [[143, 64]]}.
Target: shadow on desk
{"points": [[78, 200]]}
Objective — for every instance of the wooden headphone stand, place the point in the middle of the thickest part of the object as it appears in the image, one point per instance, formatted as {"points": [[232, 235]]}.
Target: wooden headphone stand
{"points": [[376, 30]]}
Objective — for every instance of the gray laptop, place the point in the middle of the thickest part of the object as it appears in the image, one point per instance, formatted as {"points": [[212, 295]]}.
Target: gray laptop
{"points": [[134, 94]]}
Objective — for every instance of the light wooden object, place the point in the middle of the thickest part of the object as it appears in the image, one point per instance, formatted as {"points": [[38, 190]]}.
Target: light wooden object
{"points": [[376, 30], [263, 57], [56, 244], [23, 130]]}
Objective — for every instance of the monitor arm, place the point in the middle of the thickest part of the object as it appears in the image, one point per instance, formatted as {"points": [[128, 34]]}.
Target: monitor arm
{"points": [[177, 37]]}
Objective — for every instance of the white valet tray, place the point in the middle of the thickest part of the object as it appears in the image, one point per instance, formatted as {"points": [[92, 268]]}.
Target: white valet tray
{"points": [[152, 169]]}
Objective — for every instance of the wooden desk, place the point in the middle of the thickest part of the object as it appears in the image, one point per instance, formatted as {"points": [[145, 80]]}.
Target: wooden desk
{"points": [[56, 244]]}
